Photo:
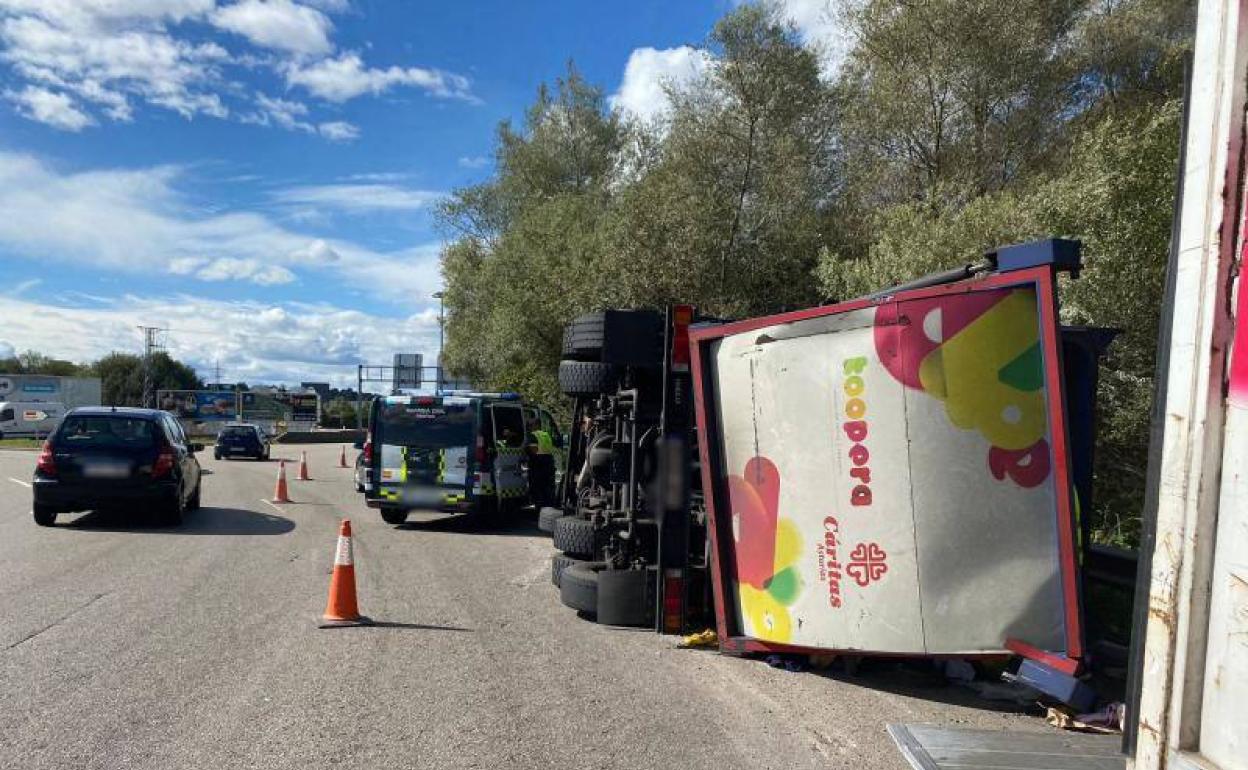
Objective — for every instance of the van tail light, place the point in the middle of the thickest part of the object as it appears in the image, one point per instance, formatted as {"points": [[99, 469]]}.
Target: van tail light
{"points": [[46, 464], [682, 316], [368, 453], [480, 450], [673, 601], [164, 462]]}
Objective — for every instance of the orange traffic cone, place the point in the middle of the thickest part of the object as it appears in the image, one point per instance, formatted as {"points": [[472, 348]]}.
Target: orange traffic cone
{"points": [[341, 610], [342, 458], [303, 467], [280, 494]]}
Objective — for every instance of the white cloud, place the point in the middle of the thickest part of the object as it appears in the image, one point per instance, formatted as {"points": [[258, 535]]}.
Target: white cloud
{"points": [[477, 161], [55, 109], [820, 26], [253, 341], [346, 77], [234, 269], [358, 197], [330, 6], [283, 112], [135, 221], [649, 71], [105, 52], [339, 131], [278, 24]]}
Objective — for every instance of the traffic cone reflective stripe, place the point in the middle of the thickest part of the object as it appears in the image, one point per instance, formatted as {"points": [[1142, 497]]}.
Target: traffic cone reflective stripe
{"points": [[280, 495], [342, 458], [303, 467], [342, 608]]}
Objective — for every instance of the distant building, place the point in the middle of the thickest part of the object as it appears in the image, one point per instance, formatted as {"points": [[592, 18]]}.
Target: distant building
{"points": [[321, 388]]}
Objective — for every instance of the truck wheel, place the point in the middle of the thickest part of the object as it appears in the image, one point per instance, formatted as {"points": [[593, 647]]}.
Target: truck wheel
{"points": [[582, 339], [586, 378], [560, 562], [44, 516], [546, 519], [624, 598], [578, 586], [393, 516], [575, 537]]}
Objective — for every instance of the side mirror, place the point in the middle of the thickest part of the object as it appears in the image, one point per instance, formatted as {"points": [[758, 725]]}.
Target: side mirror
{"points": [[358, 445], [196, 448]]}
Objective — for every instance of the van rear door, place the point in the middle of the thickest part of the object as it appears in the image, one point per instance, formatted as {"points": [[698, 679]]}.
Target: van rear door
{"points": [[423, 449]]}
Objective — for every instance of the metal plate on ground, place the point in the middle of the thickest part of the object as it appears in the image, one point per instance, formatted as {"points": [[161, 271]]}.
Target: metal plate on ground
{"points": [[927, 747]]}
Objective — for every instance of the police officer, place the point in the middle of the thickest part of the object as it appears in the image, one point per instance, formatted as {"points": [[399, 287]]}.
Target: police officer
{"points": [[541, 451]]}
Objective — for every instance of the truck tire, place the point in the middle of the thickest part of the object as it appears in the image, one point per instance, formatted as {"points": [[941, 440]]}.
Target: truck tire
{"points": [[547, 517], [575, 537], [624, 597], [586, 378], [582, 339], [578, 586], [560, 562]]}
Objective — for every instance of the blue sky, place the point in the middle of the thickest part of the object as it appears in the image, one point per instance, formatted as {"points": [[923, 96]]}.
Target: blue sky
{"points": [[257, 176]]}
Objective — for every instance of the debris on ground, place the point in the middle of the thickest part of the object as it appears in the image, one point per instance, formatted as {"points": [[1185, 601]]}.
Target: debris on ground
{"points": [[787, 662], [705, 638], [1108, 719]]}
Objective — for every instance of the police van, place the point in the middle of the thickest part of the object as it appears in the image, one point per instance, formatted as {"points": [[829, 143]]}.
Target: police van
{"points": [[458, 451]]}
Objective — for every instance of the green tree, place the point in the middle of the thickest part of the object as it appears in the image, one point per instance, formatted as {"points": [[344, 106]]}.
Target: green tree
{"points": [[121, 377]]}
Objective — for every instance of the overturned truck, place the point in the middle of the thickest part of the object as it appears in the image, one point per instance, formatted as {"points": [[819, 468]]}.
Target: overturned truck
{"points": [[896, 474]]}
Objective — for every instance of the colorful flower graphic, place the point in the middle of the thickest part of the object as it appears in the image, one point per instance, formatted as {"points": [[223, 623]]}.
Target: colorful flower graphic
{"points": [[767, 550], [980, 354]]}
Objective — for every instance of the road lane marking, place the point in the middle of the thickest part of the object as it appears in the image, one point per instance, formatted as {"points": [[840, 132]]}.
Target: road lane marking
{"points": [[19, 481], [271, 505]]}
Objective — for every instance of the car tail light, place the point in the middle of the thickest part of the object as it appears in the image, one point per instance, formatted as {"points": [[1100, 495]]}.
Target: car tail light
{"points": [[368, 452], [682, 316], [46, 464], [164, 462]]}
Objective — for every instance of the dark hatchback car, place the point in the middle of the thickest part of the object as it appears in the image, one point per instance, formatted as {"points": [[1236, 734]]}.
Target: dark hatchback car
{"points": [[241, 439], [117, 458]]}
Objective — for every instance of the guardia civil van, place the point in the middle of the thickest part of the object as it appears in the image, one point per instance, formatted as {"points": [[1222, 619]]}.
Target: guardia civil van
{"points": [[458, 452]]}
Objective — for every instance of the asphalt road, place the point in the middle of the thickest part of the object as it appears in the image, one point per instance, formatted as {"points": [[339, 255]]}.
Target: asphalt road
{"points": [[128, 645]]}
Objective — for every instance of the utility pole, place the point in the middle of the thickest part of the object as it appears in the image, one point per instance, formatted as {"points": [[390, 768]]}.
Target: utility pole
{"points": [[150, 345], [217, 381], [440, 296]]}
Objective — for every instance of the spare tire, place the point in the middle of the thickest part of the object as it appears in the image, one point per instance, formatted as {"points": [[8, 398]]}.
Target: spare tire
{"points": [[560, 562], [586, 378], [624, 597], [576, 537], [578, 586], [546, 519]]}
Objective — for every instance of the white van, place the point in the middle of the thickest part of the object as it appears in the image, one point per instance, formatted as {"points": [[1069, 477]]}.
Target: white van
{"points": [[29, 418]]}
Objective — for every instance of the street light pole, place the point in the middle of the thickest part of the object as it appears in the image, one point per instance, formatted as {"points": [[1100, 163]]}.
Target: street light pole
{"points": [[439, 296]]}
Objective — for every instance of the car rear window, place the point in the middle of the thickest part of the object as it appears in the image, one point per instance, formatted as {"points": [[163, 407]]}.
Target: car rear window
{"points": [[106, 431], [434, 426], [239, 431]]}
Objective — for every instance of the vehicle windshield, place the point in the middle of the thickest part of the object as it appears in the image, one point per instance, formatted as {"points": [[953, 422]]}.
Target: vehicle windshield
{"points": [[107, 431], [238, 431], [434, 426]]}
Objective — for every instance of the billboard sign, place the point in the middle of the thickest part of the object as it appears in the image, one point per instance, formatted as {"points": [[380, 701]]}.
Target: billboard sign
{"points": [[305, 407], [70, 391], [889, 476], [407, 370], [199, 404]]}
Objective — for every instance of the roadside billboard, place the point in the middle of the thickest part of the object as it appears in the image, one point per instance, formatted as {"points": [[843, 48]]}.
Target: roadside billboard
{"points": [[305, 407], [890, 476], [70, 391], [199, 404]]}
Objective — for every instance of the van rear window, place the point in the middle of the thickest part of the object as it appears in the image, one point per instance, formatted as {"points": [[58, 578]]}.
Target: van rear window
{"points": [[434, 426], [106, 431]]}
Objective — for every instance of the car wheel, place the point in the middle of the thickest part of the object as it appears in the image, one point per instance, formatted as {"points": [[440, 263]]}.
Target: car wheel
{"points": [[175, 510], [578, 586], [575, 537], [44, 516], [394, 516], [193, 503], [216, 455]]}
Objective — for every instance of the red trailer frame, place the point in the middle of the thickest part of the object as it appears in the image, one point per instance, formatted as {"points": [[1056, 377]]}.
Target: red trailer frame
{"points": [[713, 476]]}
